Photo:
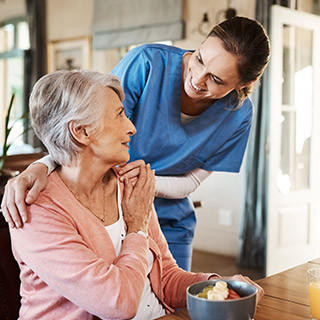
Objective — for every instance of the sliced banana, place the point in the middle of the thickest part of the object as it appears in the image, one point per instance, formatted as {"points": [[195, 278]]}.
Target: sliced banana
{"points": [[219, 292], [216, 296], [221, 284], [223, 291]]}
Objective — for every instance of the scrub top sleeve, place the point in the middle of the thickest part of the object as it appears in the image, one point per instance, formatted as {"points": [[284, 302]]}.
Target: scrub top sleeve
{"points": [[48, 162], [133, 71], [229, 157]]}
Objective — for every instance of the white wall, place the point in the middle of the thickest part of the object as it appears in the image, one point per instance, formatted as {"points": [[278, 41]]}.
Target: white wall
{"points": [[221, 194], [193, 13], [219, 217], [68, 18], [64, 21], [11, 9]]}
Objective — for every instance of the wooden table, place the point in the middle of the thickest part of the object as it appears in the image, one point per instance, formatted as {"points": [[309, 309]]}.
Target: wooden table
{"points": [[286, 296]]}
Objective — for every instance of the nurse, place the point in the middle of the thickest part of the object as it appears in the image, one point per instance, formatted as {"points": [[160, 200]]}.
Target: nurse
{"points": [[192, 114]]}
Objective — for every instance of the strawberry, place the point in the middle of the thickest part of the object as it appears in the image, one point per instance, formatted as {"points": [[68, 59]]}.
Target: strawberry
{"points": [[232, 295]]}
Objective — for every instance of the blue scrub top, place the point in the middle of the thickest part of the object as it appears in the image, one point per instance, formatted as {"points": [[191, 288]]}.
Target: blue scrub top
{"points": [[214, 141]]}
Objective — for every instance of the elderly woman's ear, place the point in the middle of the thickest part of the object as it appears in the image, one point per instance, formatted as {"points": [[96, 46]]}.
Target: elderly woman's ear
{"points": [[79, 133]]}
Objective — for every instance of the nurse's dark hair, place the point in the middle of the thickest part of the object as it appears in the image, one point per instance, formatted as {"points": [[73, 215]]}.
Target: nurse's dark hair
{"points": [[248, 40]]}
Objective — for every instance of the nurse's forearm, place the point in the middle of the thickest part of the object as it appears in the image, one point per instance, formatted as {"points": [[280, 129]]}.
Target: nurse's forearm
{"points": [[178, 187]]}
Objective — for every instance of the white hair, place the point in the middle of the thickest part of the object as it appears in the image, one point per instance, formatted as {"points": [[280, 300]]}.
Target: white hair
{"points": [[62, 96]]}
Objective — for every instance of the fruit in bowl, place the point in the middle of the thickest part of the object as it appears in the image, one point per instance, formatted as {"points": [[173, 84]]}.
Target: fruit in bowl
{"points": [[221, 299], [218, 292]]}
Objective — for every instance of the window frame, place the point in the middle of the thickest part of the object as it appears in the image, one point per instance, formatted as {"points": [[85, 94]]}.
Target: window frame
{"points": [[15, 52]]}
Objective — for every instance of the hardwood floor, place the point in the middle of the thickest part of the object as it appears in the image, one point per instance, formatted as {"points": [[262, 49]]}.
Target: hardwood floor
{"points": [[223, 265]]}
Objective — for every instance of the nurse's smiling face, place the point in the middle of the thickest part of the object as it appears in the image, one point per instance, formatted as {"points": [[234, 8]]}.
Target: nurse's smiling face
{"points": [[210, 72]]}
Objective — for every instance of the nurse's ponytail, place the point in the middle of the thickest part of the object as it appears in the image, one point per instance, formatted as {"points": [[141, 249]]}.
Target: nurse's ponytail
{"points": [[248, 40]]}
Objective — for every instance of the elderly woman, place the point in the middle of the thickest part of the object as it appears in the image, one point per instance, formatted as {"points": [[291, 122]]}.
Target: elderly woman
{"points": [[93, 246]]}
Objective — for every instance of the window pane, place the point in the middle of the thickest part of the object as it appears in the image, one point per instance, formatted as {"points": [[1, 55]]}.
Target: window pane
{"points": [[297, 58], [23, 41], [295, 152], [14, 37], [3, 93], [2, 40], [287, 62], [13, 68], [9, 37], [297, 109]]}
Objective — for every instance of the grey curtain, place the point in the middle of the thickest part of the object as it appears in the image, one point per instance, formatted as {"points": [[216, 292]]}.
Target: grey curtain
{"points": [[36, 57], [36, 17], [254, 229], [118, 23]]}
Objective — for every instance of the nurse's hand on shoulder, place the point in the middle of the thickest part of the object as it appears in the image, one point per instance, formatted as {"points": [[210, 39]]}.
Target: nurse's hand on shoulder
{"points": [[15, 198], [130, 170], [138, 200]]}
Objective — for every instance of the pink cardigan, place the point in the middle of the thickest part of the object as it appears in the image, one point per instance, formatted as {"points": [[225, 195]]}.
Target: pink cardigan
{"points": [[69, 268]]}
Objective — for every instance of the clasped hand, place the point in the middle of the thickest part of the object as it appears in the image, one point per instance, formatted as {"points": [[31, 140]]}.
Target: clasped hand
{"points": [[138, 197]]}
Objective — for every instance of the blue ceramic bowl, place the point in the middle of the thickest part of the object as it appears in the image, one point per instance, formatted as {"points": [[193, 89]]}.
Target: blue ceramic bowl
{"points": [[238, 309]]}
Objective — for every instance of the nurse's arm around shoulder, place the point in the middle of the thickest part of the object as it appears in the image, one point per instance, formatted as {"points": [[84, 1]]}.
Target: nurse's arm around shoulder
{"points": [[23, 190], [169, 187]]}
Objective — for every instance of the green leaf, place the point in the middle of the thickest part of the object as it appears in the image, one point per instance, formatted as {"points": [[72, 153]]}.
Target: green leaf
{"points": [[8, 146]]}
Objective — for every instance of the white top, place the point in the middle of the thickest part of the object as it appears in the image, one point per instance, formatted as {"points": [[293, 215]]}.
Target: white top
{"points": [[149, 306]]}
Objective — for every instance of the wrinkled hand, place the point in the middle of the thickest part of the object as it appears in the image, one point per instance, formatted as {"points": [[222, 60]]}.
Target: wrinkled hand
{"points": [[14, 200], [130, 170], [138, 200]]}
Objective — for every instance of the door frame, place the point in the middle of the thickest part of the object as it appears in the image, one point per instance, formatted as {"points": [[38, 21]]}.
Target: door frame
{"points": [[279, 16]]}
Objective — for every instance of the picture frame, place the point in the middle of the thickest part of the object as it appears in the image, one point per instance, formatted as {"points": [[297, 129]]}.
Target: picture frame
{"points": [[69, 54]]}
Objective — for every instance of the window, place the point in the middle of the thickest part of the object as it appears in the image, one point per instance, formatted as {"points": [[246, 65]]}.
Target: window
{"points": [[14, 41]]}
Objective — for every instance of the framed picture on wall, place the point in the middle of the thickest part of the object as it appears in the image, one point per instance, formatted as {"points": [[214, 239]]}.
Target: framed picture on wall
{"points": [[69, 54]]}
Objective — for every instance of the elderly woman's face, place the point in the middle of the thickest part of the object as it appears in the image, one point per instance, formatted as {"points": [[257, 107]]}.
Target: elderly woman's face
{"points": [[111, 142], [211, 72]]}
